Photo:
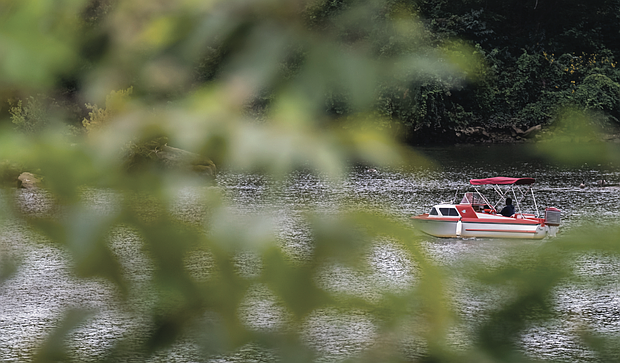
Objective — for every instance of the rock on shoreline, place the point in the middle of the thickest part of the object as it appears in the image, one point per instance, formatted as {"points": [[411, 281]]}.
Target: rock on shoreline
{"points": [[27, 180]]}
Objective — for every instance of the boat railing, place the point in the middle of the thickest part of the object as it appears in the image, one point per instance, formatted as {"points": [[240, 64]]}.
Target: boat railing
{"points": [[518, 193]]}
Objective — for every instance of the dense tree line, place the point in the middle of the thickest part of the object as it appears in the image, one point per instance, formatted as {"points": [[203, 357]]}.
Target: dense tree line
{"points": [[527, 61], [534, 59], [540, 56]]}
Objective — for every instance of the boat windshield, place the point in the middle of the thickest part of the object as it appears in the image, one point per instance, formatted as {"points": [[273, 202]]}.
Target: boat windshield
{"points": [[473, 199]]}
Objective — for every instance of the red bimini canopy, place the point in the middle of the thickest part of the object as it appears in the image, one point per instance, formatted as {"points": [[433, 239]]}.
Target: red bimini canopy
{"points": [[502, 180]]}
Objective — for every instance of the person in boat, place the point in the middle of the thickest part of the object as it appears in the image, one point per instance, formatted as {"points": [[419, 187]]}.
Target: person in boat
{"points": [[509, 209]]}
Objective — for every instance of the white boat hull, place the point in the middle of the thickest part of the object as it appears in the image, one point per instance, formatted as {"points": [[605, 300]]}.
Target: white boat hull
{"points": [[437, 228], [501, 230], [450, 229]]}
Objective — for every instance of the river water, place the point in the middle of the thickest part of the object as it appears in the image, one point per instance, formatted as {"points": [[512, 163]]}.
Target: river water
{"points": [[34, 299]]}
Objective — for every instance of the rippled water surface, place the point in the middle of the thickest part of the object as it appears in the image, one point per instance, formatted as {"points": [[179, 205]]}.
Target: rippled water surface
{"points": [[34, 299]]}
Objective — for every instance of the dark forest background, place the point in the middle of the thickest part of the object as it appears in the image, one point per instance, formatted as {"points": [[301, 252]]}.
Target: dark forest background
{"points": [[522, 62], [540, 56]]}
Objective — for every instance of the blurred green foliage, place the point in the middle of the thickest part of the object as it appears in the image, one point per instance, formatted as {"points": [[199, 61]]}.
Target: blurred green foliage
{"points": [[30, 117], [576, 139], [266, 86], [115, 103]]}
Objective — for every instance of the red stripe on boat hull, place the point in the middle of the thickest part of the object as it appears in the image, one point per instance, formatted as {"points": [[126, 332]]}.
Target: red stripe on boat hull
{"points": [[497, 230]]}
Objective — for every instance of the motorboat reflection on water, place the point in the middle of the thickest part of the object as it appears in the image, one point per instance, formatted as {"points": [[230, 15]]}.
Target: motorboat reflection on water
{"points": [[477, 216]]}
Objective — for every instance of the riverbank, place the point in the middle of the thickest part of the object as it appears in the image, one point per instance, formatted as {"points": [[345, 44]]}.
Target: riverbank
{"points": [[495, 135]]}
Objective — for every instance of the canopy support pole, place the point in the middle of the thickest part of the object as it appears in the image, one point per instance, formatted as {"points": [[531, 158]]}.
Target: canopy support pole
{"points": [[514, 194], [535, 205]]}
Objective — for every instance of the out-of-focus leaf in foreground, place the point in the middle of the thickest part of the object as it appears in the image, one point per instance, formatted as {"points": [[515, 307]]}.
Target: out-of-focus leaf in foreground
{"points": [[576, 139], [53, 348], [530, 280], [266, 87], [39, 40]]}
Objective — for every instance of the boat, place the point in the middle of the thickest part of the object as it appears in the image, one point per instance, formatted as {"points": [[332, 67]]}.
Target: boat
{"points": [[476, 216]]}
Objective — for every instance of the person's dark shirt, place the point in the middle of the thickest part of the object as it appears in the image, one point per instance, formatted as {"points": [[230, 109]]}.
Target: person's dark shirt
{"points": [[508, 210]]}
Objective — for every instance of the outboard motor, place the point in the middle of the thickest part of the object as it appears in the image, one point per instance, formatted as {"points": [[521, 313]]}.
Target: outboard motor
{"points": [[553, 217]]}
